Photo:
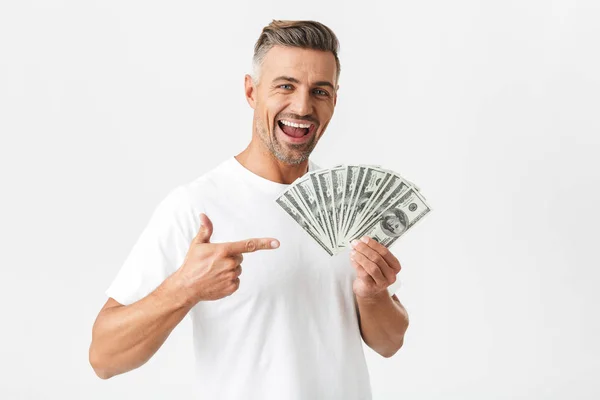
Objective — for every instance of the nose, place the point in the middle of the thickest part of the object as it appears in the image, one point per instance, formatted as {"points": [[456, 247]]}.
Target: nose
{"points": [[302, 103]]}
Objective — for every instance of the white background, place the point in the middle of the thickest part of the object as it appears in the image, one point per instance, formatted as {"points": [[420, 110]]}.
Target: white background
{"points": [[492, 108]]}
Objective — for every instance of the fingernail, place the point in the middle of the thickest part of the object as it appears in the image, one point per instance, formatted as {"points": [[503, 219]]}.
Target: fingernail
{"points": [[364, 239], [354, 243], [352, 254], [274, 244]]}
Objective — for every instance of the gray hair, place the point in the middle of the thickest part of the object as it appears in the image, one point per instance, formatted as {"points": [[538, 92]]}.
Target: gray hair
{"points": [[304, 34]]}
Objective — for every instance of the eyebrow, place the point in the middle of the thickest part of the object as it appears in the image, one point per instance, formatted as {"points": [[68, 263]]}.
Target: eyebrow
{"points": [[294, 80]]}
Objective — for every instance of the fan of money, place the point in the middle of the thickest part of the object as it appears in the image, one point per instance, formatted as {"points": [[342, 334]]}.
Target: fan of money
{"points": [[335, 206]]}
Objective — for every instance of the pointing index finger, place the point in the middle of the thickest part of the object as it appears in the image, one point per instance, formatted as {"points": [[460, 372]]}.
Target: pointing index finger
{"points": [[252, 245]]}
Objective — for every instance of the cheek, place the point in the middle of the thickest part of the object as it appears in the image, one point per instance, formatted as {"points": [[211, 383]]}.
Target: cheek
{"points": [[324, 114]]}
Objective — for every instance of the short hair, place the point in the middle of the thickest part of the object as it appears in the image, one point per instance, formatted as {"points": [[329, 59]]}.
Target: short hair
{"points": [[304, 34]]}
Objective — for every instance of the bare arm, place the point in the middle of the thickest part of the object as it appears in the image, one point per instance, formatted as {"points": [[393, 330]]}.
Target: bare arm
{"points": [[383, 319], [126, 337], [383, 323]]}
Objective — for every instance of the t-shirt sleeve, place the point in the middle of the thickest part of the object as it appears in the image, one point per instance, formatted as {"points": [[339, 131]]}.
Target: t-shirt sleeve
{"points": [[159, 251]]}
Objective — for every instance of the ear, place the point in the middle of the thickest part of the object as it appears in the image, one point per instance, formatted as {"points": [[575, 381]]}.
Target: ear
{"points": [[250, 91], [335, 95]]}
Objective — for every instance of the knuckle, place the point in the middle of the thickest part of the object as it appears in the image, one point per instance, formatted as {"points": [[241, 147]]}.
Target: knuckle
{"points": [[234, 286], [250, 245], [369, 259]]}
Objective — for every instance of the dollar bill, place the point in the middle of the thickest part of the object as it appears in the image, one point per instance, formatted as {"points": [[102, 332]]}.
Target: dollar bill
{"points": [[395, 221], [308, 193], [374, 183], [338, 182], [292, 197], [293, 212], [368, 183], [395, 188], [357, 173], [335, 206], [323, 193]]}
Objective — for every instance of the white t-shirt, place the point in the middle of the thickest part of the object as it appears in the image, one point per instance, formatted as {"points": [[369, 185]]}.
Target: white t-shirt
{"points": [[291, 329]]}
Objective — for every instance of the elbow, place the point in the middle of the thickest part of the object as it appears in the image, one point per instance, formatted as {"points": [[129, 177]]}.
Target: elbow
{"points": [[102, 374], [98, 365], [392, 349]]}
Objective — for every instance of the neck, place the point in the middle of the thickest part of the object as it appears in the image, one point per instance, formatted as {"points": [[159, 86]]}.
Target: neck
{"points": [[264, 164]]}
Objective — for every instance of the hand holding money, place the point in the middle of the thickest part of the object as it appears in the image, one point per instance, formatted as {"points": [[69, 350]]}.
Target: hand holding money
{"points": [[211, 271], [376, 267], [335, 206]]}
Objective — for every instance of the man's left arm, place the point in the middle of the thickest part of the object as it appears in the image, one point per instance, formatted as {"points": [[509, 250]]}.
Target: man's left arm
{"points": [[383, 319]]}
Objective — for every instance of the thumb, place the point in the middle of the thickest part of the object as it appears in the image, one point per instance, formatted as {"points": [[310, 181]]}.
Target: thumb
{"points": [[205, 230]]}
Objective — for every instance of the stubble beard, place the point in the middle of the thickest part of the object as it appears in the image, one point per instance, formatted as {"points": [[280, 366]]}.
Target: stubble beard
{"points": [[292, 154]]}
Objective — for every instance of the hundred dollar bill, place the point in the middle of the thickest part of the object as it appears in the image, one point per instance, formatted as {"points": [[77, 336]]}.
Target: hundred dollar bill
{"points": [[374, 183], [309, 196], [296, 202], [367, 185], [293, 212], [391, 190], [398, 188], [313, 216], [392, 223], [325, 200], [346, 202], [355, 175], [338, 182], [350, 184]]}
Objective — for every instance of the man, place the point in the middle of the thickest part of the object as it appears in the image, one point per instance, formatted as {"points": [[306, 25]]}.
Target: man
{"points": [[290, 327]]}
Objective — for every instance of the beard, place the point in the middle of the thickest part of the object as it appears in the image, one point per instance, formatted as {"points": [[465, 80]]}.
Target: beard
{"points": [[292, 154]]}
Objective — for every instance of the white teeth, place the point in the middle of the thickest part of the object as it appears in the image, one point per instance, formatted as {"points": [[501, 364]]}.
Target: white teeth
{"points": [[294, 124]]}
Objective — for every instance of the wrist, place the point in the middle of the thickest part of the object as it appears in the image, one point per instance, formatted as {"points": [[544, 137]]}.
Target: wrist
{"points": [[377, 298], [175, 288]]}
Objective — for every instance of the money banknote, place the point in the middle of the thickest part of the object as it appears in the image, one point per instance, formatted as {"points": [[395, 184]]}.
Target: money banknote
{"points": [[337, 205]]}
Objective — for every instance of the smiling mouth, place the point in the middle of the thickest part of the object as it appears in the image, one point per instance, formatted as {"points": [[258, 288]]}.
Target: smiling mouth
{"points": [[295, 130]]}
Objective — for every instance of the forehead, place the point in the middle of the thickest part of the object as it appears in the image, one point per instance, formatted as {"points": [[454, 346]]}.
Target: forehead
{"points": [[302, 64]]}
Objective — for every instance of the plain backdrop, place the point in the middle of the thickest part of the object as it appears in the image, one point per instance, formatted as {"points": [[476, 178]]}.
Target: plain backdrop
{"points": [[492, 108]]}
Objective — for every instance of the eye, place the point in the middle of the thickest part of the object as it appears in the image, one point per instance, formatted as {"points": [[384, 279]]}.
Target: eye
{"points": [[321, 92], [285, 86]]}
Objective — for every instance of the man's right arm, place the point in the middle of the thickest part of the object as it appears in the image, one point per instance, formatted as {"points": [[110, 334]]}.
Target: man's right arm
{"points": [[126, 337]]}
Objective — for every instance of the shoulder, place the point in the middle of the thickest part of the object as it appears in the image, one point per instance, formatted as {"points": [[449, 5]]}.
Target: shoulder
{"points": [[191, 195], [207, 184]]}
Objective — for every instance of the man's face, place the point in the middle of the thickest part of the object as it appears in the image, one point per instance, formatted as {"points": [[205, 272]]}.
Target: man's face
{"points": [[294, 101]]}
